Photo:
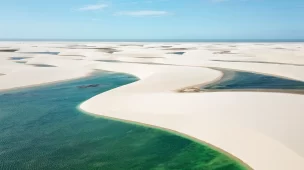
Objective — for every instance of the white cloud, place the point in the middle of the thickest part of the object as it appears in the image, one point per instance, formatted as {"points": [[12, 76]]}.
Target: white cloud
{"points": [[143, 13], [93, 7]]}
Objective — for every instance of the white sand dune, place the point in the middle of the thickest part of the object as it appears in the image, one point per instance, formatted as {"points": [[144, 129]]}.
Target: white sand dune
{"points": [[264, 130], [239, 123]]}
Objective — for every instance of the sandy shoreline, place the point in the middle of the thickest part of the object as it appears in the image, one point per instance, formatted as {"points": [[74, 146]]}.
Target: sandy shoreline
{"points": [[239, 161], [261, 129]]}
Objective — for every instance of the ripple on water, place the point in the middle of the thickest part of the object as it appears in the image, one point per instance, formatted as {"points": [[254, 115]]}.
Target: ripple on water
{"points": [[41, 128]]}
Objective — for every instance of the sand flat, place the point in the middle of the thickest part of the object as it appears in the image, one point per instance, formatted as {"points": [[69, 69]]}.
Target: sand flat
{"points": [[262, 129]]}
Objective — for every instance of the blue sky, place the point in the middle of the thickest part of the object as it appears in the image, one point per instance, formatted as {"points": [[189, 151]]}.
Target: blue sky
{"points": [[152, 19]]}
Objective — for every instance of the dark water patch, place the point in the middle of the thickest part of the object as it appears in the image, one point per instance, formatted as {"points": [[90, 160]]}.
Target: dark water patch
{"points": [[51, 53], [42, 65], [41, 128], [246, 81], [262, 62], [177, 53], [8, 50], [19, 58], [110, 61]]}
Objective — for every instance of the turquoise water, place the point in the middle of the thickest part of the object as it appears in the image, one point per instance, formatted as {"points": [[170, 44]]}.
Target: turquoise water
{"points": [[41, 128]]}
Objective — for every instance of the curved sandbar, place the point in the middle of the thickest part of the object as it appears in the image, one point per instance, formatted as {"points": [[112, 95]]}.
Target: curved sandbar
{"points": [[257, 128]]}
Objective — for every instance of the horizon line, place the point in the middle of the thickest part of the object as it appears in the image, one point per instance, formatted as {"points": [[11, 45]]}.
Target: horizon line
{"points": [[156, 40]]}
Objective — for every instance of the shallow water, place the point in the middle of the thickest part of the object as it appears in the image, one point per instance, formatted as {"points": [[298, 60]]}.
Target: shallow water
{"points": [[41, 128], [177, 53], [42, 65], [247, 81], [51, 53], [18, 58]]}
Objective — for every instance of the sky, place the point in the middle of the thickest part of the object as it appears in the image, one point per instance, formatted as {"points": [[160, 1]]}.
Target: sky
{"points": [[152, 19]]}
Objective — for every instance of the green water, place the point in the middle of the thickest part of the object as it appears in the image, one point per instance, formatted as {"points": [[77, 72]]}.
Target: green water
{"points": [[41, 128]]}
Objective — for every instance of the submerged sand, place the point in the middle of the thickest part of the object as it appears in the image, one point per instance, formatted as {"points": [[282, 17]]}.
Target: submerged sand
{"points": [[262, 129]]}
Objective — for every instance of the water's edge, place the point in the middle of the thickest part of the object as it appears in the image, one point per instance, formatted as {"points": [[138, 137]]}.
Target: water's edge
{"points": [[183, 135]]}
